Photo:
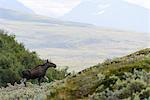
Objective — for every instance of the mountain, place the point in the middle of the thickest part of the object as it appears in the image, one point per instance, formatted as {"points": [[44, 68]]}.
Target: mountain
{"points": [[14, 5], [9, 14], [116, 14], [13, 15]]}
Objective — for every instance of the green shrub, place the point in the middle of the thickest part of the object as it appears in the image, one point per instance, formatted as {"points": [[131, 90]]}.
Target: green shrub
{"points": [[14, 58], [135, 85]]}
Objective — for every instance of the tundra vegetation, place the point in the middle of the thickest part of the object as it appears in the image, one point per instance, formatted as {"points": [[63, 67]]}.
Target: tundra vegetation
{"points": [[124, 78]]}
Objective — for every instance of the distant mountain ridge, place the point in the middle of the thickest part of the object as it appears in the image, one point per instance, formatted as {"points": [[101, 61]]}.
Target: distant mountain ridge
{"points": [[14, 15], [16, 11], [14, 5], [116, 14]]}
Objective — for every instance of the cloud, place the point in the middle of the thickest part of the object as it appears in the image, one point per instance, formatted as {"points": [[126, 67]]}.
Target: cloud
{"points": [[52, 8], [143, 3]]}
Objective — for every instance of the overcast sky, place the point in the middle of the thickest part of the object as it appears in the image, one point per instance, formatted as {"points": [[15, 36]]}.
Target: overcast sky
{"points": [[57, 8]]}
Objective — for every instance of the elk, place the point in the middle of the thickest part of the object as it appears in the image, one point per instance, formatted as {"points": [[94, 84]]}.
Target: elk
{"points": [[37, 73]]}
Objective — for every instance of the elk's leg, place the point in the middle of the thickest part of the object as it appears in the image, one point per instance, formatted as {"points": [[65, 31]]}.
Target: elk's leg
{"points": [[39, 81], [24, 81], [45, 77], [25, 84], [21, 81]]}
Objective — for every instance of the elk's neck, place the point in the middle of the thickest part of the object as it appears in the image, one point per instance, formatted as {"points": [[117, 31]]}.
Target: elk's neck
{"points": [[45, 67]]}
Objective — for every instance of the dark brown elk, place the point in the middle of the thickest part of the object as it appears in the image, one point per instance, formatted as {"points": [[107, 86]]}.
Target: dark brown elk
{"points": [[37, 72]]}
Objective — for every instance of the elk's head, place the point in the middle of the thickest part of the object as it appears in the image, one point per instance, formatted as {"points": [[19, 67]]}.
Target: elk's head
{"points": [[50, 64]]}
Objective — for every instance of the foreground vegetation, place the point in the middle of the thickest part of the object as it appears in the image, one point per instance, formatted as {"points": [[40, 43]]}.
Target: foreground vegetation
{"points": [[125, 78], [132, 86]]}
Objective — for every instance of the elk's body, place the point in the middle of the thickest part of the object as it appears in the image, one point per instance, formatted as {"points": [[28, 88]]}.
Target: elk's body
{"points": [[37, 72]]}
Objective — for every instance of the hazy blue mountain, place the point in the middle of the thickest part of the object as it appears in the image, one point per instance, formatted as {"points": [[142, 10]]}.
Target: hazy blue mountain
{"points": [[14, 5], [14, 15], [111, 13]]}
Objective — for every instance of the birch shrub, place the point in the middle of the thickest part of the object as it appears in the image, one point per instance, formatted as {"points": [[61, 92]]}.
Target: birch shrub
{"points": [[134, 85]]}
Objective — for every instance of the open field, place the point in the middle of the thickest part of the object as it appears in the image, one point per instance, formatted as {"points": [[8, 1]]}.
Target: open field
{"points": [[75, 46]]}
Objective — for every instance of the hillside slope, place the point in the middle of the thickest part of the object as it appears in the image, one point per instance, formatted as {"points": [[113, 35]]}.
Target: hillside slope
{"points": [[120, 78], [14, 58], [127, 77]]}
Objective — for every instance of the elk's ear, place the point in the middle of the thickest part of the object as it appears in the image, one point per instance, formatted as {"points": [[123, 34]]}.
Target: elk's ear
{"points": [[47, 61]]}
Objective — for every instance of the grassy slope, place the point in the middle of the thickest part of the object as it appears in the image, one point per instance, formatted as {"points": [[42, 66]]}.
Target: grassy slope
{"points": [[14, 58], [86, 82]]}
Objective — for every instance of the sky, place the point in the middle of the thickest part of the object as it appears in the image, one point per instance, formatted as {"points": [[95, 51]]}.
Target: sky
{"points": [[57, 8]]}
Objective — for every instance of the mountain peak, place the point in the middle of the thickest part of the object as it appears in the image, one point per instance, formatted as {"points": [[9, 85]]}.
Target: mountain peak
{"points": [[116, 14]]}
